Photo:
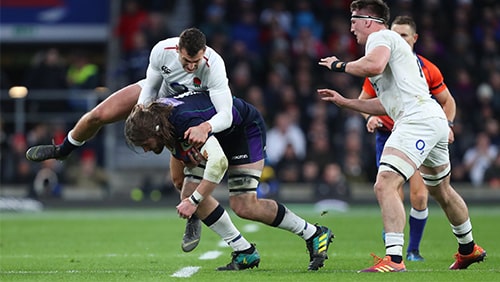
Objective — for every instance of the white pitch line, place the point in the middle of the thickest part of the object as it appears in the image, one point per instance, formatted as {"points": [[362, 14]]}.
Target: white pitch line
{"points": [[210, 255], [185, 272], [251, 228]]}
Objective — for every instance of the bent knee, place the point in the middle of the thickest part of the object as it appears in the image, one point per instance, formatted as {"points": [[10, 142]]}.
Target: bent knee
{"points": [[242, 209]]}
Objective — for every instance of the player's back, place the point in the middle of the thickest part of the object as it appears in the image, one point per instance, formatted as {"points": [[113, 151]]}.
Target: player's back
{"points": [[194, 108]]}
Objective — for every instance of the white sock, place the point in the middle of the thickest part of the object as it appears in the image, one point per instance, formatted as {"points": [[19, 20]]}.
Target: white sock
{"points": [[394, 243], [297, 225], [423, 214], [73, 141], [225, 228], [463, 232]]}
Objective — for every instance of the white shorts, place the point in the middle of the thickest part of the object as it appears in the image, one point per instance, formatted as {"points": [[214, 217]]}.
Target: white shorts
{"points": [[425, 142]]}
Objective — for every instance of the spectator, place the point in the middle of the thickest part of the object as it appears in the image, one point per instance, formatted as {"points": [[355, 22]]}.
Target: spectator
{"points": [[137, 60], [288, 168], [82, 76], [479, 158], [132, 19], [154, 30], [47, 71], [87, 174], [333, 184], [283, 134], [492, 174]]}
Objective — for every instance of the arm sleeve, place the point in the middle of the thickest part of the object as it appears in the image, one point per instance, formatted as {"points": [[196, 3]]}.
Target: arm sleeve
{"points": [[153, 80], [221, 97]]}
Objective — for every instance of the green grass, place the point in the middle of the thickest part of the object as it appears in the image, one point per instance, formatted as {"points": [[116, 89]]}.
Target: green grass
{"points": [[144, 245]]}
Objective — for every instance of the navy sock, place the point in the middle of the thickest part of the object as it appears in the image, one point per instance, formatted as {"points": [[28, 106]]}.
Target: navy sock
{"points": [[416, 231], [66, 147]]}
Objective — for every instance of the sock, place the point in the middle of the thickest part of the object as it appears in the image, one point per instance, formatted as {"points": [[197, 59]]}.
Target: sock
{"points": [[418, 219], [463, 232], [220, 222], [287, 220], [69, 144], [394, 246]]}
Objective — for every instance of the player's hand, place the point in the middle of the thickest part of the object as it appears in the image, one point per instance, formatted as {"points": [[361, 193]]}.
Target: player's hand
{"points": [[186, 209], [451, 136], [195, 158], [332, 96], [327, 62], [373, 123], [197, 135]]}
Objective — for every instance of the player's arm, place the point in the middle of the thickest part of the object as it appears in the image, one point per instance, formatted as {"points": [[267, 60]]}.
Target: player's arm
{"points": [[448, 103], [371, 106], [372, 121], [373, 63], [153, 79], [222, 99], [449, 107], [215, 168]]}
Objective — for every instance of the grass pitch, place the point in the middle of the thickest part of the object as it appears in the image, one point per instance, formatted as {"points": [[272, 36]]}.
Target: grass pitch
{"points": [[144, 245]]}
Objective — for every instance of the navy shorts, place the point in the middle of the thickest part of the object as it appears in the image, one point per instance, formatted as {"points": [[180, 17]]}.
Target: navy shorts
{"points": [[245, 144]]}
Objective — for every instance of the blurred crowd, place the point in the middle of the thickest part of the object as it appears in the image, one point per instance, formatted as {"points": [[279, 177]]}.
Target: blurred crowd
{"points": [[272, 48]]}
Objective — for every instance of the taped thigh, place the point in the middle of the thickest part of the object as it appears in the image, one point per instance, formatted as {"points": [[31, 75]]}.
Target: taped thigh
{"points": [[243, 180], [396, 164], [435, 179]]}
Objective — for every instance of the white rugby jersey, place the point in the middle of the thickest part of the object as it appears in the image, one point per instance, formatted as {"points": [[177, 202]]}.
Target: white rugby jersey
{"points": [[401, 87], [165, 76]]}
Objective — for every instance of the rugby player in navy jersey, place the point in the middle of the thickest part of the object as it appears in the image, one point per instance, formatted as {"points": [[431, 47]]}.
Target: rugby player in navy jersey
{"points": [[239, 150]]}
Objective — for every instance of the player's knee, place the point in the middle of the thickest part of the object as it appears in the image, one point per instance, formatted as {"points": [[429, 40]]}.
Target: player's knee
{"points": [[242, 184], [242, 209]]}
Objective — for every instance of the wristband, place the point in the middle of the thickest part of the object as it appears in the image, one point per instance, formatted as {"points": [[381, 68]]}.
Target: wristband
{"points": [[450, 123], [368, 118], [196, 198], [338, 66]]}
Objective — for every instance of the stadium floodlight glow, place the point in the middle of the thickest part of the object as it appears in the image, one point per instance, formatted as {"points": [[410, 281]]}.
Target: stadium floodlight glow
{"points": [[18, 92]]}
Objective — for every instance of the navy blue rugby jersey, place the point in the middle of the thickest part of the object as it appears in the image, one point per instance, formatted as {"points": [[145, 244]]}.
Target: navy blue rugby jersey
{"points": [[193, 108]]}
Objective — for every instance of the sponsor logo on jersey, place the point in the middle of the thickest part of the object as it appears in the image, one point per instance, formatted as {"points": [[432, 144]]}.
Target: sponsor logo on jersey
{"points": [[165, 70]]}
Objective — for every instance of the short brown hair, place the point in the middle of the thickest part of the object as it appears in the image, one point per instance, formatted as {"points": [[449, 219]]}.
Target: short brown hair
{"points": [[406, 20], [192, 40], [376, 8]]}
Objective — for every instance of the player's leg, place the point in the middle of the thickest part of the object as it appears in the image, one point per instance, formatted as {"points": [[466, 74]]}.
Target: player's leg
{"points": [[395, 168], [215, 217], [438, 181], [192, 232], [435, 171], [114, 108], [418, 216], [381, 137], [243, 181]]}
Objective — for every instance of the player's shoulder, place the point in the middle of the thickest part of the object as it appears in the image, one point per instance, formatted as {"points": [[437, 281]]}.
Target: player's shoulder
{"points": [[212, 57], [167, 45]]}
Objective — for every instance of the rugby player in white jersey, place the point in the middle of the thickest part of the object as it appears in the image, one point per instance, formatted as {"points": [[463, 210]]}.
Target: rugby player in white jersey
{"points": [[176, 65], [420, 135]]}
